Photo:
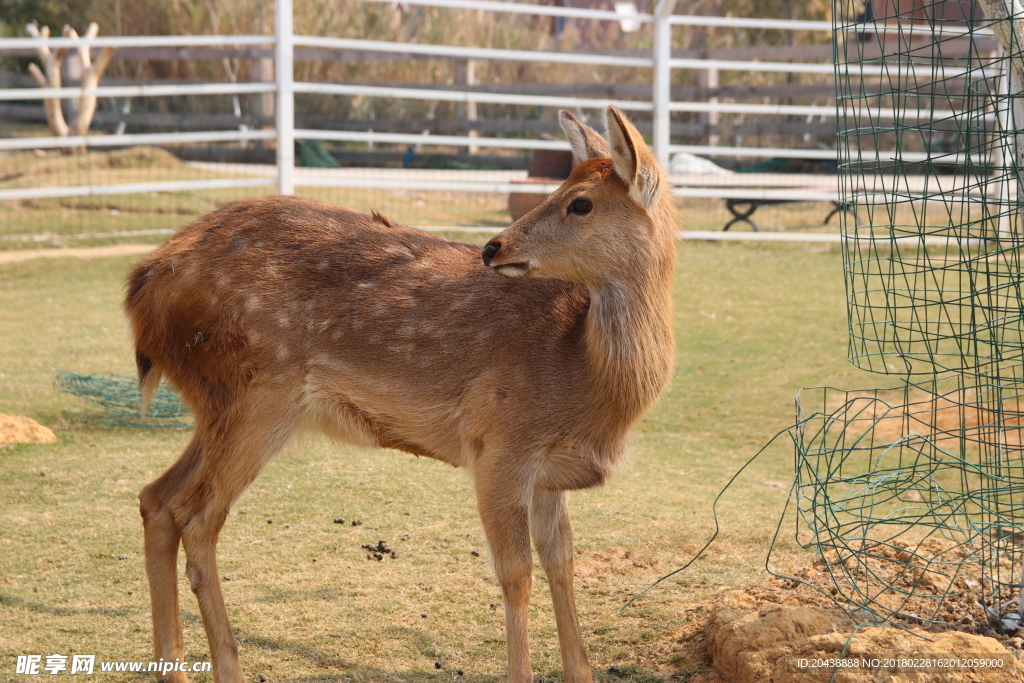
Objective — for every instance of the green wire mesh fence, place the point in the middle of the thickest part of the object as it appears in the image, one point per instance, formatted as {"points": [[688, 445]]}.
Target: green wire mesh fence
{"points": [[914, 496]]}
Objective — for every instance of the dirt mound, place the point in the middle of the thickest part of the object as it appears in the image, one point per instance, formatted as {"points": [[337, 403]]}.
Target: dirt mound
{"points": [[595, 566], [933, 583], [132, 157], [141, 157], [755, 642], [15, 429], [794, 630]]}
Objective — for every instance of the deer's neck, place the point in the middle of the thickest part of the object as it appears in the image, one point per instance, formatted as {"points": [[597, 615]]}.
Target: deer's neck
{"points": [[629, 345]]}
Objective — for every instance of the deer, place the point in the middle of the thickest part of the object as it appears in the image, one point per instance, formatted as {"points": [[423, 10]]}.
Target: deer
{"points": [[527, 363]]}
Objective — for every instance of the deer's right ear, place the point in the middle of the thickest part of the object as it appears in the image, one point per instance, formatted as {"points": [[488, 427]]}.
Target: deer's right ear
{"points": [[586, 142]]}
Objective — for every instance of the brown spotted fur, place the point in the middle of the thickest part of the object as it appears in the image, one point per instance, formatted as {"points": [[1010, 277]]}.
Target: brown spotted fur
{"points": [[278, 314]]}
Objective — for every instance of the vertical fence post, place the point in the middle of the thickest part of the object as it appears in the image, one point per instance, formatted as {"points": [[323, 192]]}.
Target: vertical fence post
{"points": [[662, 79], [285, 97]]}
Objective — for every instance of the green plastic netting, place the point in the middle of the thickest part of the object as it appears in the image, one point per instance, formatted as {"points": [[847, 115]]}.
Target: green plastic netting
{"points": [[114, 400]]}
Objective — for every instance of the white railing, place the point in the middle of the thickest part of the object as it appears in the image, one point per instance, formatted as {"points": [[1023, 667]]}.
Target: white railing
{"points": [[284, 42]]}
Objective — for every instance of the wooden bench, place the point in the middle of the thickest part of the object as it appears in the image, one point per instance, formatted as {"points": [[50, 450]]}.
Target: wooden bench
{"points": [[745, 193]]}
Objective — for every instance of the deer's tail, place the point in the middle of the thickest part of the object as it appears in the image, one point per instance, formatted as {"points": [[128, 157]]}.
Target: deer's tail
{"points": [[149, 379]]}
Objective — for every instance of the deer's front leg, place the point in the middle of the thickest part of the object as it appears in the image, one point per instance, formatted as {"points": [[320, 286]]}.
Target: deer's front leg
{"points": [[503, 501], [552, 534]]}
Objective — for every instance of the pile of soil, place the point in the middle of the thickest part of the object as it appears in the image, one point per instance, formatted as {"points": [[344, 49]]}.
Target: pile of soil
{"points": [[15, 429], [139, 157], [752, 640], [132, 157], [784, 631]]}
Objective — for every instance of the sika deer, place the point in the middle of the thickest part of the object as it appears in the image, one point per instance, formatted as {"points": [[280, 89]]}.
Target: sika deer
{"points": [[279, 314]]}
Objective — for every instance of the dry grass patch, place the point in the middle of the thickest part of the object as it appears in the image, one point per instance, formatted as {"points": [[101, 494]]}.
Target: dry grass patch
{"points": [[750, 332]]}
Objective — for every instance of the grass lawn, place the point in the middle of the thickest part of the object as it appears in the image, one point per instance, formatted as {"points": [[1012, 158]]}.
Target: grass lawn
{"points": [[754, 324]]}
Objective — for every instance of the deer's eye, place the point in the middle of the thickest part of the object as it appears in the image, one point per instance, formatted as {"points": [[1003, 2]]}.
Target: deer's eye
{"points": [[581, 206]]}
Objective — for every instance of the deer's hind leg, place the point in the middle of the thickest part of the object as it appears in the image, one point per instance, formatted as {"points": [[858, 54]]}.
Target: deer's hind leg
{"points": [[230, 454], [161, 547]]}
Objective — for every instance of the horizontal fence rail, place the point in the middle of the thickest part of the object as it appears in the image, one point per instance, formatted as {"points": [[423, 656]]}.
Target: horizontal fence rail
{"points": [[472, 52], [412, 139], [285, 47], [135, 139], [134, 188], [676, 20], [139, 91]]}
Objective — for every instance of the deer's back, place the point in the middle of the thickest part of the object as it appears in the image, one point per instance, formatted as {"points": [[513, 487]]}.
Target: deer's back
{"points": [[382, 334]]}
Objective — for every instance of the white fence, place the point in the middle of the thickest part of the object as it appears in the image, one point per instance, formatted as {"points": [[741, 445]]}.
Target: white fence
{"points": [[285, 42], [285, 88]]}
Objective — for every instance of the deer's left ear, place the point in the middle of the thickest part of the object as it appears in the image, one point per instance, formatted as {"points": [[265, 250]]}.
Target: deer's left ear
{"points": [[634, 162]]}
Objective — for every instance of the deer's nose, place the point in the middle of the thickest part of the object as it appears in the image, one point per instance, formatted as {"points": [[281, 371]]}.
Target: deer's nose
{"points": [[490, 249]]}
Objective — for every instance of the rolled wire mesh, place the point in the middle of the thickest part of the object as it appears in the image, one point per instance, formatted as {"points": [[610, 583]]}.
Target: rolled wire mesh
{"points": [[914, 496]]}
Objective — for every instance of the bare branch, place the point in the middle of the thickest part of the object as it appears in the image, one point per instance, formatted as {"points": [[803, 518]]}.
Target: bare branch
{"points": [[37, 74], [83, 50], [102, 62], [49, 77], [90, 79]]}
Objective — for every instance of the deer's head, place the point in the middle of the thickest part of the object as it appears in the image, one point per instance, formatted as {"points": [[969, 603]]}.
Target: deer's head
{"points": [[601, 222]]}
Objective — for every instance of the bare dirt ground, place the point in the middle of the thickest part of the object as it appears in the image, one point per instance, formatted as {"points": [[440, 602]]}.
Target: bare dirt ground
{"points": [[786, 631], [17, 255], [17, 429]]}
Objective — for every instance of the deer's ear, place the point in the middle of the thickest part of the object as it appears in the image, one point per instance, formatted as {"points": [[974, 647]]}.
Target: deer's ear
{"points": [[634, 162], [586, 143]]}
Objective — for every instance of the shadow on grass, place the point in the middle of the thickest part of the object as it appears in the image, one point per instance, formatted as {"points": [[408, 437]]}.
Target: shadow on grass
{"points": [[307, 652], [361, 674], [370, 675], [10, 601], [275, 595], [425, 645], [422, 641]]}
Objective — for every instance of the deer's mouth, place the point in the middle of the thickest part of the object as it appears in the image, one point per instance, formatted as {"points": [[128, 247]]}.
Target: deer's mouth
{"points": [[514, 269]]}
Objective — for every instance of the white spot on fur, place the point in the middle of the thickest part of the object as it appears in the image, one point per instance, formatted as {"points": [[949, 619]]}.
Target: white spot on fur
{"points": [[400, 251]]}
